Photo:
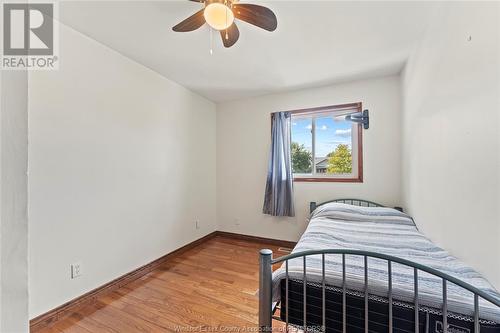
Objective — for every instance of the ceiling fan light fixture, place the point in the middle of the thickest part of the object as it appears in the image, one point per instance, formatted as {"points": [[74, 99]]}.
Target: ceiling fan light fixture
{"points": [[218, 16], [222, 15]]}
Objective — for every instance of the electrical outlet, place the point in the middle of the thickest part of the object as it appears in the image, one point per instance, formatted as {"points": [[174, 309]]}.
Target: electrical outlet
{"points": [[197, 224], [76, 270], [236, 221]]}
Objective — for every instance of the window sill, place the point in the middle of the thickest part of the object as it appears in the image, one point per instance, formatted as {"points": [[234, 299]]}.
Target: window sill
{"points": [[328, 180]]}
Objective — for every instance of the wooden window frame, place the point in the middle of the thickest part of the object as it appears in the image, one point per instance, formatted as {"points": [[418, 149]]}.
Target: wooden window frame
{"points": [[333, 108]]}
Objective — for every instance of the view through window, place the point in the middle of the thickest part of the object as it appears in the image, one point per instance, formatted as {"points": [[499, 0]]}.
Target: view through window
{"points": [[325, 146]]}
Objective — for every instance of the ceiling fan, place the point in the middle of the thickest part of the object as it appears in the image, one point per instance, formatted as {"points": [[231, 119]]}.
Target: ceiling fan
{"points": [[220, 15]]}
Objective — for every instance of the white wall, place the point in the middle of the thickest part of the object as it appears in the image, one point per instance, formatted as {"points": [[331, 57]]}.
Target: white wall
{"points": [[13, 203], [122, 162], [451, 135], [243, 140]]}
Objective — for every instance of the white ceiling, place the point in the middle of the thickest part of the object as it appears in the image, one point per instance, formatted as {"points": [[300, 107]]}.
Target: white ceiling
{"points": [[316, 43]]}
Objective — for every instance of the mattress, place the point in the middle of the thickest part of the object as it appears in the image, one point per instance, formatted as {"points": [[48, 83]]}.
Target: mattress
{"points": [[390, 232], [430, 320]]}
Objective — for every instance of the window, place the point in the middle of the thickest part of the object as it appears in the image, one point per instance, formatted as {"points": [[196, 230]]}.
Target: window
{"points": [[325, 146]]}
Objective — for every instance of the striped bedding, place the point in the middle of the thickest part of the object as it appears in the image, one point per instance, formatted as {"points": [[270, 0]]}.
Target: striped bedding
{"points": [[387, 231]]}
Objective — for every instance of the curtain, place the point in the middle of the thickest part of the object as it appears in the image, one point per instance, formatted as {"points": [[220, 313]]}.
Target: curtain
{"points": [[278, 199]]}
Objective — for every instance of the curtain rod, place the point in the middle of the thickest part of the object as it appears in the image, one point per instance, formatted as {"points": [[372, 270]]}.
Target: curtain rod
{"points": [[356, 107]]}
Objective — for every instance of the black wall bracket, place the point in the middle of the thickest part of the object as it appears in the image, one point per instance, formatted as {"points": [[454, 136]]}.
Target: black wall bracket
{"points": [[360, 118]]}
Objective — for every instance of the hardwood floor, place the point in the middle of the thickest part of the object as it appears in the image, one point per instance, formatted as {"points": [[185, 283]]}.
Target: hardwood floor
{"points": [[210, 288]]}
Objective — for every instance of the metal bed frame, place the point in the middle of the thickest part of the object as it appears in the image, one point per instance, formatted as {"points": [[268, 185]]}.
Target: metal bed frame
{"points": [[267, 261]]}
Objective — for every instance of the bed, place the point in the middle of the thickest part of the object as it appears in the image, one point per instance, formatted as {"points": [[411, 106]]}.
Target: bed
{"points": [[362, 267]]}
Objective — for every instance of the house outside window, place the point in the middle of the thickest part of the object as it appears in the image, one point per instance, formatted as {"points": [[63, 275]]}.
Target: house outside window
{"points": [[325, 146]]}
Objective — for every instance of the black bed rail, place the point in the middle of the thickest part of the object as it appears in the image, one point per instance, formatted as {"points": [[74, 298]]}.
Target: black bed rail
{"points": [[265, 287], [356, 202]]}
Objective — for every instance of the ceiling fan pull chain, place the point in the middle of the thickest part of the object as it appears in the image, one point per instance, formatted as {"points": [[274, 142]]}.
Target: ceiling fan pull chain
{"points": [[227, 36], [211, 41]]}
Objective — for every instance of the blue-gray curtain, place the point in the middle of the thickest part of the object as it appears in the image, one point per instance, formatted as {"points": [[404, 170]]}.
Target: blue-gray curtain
{"points": [[278, 200]]}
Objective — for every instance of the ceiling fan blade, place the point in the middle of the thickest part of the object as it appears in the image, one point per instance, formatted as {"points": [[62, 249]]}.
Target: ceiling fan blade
{"points": [[191, 23], [232, 35], [257, 15]]}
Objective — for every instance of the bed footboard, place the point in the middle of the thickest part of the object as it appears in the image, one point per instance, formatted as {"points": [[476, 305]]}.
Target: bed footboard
{"points": [[265, 291]]}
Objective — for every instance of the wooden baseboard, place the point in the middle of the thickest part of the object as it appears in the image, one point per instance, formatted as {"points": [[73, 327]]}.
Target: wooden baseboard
{"points": [[62, 311], [52, 316], [271, 241]]}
